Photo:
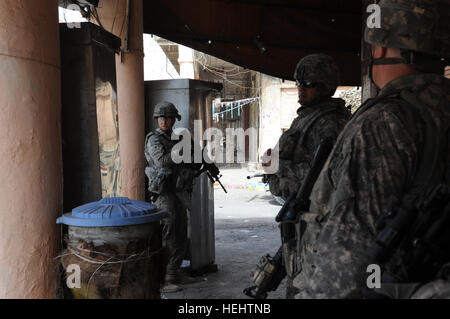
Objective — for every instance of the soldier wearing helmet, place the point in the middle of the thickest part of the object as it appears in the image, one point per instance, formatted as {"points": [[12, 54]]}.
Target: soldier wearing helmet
{"points": [[320, 116], [385, 164], [170, 187]]}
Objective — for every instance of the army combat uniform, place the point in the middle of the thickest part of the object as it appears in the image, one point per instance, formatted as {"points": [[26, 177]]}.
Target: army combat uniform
{"points": [[172, 185], [372, 166], [298, 144], [373, 161], [321, 118]]}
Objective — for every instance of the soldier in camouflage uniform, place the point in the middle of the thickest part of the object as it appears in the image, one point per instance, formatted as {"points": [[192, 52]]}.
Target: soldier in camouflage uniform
{"points": [[170, 187], [320, 116], [376, 158]]}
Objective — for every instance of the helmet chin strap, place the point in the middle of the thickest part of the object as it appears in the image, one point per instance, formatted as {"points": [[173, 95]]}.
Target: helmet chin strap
{"points": [[383, 61], [388, 61], [317, 99]]}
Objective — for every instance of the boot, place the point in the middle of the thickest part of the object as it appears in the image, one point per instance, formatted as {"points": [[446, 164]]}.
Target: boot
{"points": [[183, 279], [170, 285], [179, 277], [170, 288]]}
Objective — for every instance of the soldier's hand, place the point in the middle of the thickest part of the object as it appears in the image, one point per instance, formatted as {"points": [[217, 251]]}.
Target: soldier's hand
{"points": [[266, 160], [265, 179], [197, 166], [213, 169], [297, 205], [294, 206], [153, 197]]}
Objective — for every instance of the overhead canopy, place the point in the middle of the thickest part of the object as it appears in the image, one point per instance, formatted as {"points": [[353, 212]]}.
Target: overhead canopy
{"points": [[269, 36]]}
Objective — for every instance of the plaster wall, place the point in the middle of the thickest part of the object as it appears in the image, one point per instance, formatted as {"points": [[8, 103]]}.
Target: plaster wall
{"points": [[270, 117], [30, 148], [157, 65]]}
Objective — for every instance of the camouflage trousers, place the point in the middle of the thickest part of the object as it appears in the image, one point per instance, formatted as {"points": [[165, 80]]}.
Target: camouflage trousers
{"points": [[175, 228]]}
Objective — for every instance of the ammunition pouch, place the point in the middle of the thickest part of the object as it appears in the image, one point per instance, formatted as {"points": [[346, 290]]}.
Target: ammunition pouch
{"points": [[158, 179], [288, 144], [184, 179], [267, 277]]}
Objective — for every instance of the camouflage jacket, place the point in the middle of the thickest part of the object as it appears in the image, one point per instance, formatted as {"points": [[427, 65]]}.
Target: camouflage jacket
{"points": [[297, 145], [163, 174], [371, 166]]}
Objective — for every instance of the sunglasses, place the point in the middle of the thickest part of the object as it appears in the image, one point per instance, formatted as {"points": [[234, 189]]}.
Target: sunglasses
{"points": [[166, 118], [307, 85]]}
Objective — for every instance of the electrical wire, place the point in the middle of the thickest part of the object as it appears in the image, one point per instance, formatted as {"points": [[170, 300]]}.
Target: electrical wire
{"points": [[227, 72], [220, 74]]}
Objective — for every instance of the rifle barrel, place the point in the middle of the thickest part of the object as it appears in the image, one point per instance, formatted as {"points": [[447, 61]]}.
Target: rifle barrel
{"points": [[222, 186], [255, 175], [216, 179]]}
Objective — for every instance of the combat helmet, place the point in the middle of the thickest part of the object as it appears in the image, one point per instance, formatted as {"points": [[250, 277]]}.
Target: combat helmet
{"points": [[419, 28], [166, 109], [318, 68]]}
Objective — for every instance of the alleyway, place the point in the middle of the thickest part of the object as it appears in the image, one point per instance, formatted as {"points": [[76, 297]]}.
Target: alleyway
{"points": [[245, 230]]}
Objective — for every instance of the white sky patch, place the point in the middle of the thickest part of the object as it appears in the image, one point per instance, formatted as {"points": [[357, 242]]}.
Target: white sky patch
{"points": [[70, 16], [157, 65]]}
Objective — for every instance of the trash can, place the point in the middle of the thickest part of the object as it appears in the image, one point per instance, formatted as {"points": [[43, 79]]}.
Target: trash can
{"points": [[114, 247]]}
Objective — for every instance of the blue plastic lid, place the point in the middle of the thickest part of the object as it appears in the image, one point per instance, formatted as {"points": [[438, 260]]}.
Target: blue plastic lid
{"points": [[114, 211]]}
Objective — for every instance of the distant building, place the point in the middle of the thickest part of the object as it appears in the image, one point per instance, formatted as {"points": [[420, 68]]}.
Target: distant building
{"points": [[273, 102]]}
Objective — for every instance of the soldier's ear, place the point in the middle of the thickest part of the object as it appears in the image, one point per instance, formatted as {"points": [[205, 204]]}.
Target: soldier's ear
{"points": [[324, 91]]}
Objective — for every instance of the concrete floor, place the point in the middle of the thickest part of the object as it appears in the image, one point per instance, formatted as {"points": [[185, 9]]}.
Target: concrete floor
{"points": [[245, 231]]}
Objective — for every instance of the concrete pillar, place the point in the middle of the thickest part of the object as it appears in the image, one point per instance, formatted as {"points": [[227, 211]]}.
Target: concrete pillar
{"points": [[186, 61], [130, 89], [30, 148]]}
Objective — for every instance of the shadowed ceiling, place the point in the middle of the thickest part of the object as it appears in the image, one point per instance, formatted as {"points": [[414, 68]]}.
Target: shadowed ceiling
{"points": [[269, 36]]}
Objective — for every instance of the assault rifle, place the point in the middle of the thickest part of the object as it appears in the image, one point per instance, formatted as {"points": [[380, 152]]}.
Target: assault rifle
{"points": [[271, 271], [212, 171], [256, 175]]}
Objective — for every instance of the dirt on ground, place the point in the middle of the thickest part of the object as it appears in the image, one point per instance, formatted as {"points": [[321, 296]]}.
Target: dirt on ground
{"points": [[239, 245]]}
